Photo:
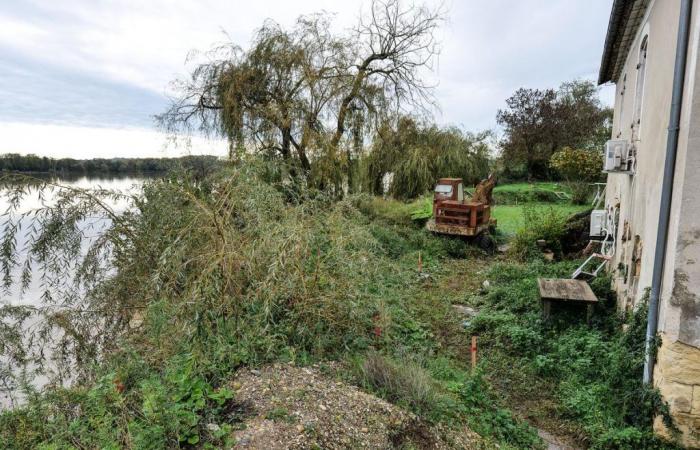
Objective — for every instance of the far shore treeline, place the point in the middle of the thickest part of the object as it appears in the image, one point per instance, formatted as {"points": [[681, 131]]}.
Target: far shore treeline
{"points": [[14, 162]]}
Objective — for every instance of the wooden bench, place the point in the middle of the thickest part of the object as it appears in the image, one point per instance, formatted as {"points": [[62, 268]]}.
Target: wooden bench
{"points": [[565, 291]]}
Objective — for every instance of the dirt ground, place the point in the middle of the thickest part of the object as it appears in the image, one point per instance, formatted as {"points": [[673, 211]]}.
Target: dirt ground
{"points": [[290, 407]]}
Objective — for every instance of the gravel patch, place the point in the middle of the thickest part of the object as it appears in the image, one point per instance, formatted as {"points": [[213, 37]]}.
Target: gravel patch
{"points": [[302, 408]]}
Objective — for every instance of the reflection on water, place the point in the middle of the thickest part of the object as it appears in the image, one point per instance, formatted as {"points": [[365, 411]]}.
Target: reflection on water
{"points": [[43, 192], [40, 198]]}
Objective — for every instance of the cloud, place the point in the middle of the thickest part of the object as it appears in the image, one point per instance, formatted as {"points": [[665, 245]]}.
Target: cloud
{"points": [[107, 63], [60, 141]]}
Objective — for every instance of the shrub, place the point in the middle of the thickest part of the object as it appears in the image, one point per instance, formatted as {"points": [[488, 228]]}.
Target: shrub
{"points": [[145, 410], [579, 168], [578, 164], [546, 224], [402, 382], [489, 419]]}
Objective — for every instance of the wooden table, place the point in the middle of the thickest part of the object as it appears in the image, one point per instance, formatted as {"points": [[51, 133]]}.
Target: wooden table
{"points": [[565, 291]]}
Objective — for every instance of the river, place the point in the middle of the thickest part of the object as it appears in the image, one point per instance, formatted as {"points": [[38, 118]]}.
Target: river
{"points": [[34, 294]]}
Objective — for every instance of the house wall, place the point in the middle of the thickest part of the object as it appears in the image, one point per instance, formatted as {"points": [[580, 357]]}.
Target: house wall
{"points": [[637, 198]]}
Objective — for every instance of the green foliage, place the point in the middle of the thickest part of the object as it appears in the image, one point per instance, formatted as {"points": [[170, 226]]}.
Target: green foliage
{"points": [[442, 392], [539, 122], [478, 403], [423, 212], [578, 164], [579, 167], [519, 193], [546, 224], [203, 276], [32, 163], [418, 154], [147, 409], [595, 371], [511, 217]]}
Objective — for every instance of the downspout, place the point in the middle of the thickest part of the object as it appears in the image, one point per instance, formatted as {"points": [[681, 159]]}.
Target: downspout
{"points": [[667, 185]]}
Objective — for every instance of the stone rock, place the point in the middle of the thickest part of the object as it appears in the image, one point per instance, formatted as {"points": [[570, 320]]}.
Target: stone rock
{"points": [[677, 375], [679, 396], [464, 310], [679, 362]]}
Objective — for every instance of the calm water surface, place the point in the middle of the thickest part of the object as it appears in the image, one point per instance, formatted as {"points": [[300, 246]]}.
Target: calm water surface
{"points": [[33, 296]]}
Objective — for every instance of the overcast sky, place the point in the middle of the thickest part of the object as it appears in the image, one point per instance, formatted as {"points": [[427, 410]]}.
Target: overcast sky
{"points": [[83, 78]]}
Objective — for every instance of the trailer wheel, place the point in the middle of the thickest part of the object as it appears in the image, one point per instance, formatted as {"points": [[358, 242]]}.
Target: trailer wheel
{"points": [[485, 241]]}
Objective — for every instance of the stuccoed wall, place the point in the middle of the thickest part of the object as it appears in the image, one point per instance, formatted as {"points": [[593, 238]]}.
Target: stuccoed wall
{"points": [[677, 373]]}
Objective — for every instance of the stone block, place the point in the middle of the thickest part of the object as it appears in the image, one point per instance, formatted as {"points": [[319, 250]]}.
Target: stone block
{"points": [[679, 396], [679, 362], [688, 426]]}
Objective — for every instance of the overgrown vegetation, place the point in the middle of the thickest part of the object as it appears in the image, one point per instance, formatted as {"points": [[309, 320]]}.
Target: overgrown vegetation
{"points": [[240, 271], [579, 168], [444, 392], [594, 373], [415, 155], [281, 254]]}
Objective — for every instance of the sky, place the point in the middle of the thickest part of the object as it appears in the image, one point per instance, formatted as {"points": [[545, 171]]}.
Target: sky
{"points": [[84, 78]]}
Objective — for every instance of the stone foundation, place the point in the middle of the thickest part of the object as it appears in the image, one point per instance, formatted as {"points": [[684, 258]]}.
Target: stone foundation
{"points": [[677, 376]]}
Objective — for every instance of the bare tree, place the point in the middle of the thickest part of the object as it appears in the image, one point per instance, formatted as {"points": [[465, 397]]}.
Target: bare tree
{"points": [[296, 94]]}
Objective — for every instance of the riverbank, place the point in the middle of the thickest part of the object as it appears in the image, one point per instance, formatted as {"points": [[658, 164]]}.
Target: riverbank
{"points": [[234, 273]]}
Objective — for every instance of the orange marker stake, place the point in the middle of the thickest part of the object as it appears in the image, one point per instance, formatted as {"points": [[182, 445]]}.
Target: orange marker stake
{"points": [[473, 351]]}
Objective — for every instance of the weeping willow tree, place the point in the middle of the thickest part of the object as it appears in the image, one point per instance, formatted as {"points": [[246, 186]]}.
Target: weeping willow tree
{"points": [[308, 97], [416, 155]]}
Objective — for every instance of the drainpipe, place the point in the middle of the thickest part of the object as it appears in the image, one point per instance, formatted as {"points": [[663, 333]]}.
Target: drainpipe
{"points": [[667, 186]]}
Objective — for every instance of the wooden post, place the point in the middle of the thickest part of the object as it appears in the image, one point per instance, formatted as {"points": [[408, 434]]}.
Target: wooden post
{"points": [[420, 263], [473, 350]]}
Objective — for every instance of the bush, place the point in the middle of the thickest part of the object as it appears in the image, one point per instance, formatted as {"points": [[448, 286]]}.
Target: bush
{"points": [[489, 419], [581, 192], [579, 168], [578, 164], [403, 383], [143, 409], [546, 224]]}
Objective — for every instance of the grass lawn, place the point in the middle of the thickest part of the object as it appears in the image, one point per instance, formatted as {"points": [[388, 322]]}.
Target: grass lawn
{"points": [[510, 216], [521, 187]]}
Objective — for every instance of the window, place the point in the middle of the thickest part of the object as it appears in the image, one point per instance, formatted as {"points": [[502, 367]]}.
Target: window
{"points": [[443, 189], [639, 91], [622, 106]]}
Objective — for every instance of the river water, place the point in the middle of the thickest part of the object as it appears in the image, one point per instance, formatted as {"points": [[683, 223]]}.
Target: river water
{"points": [[33, 295]]}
